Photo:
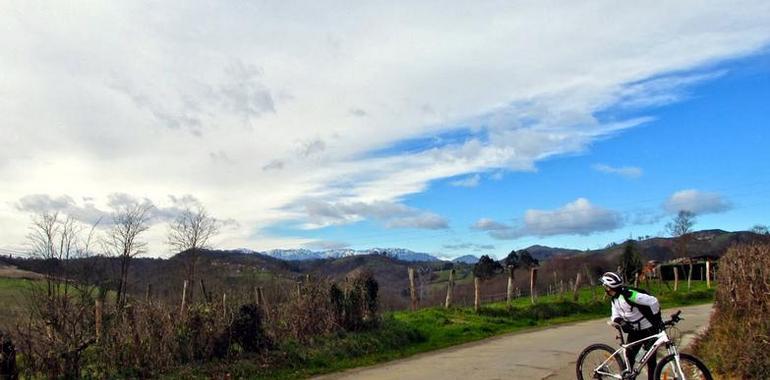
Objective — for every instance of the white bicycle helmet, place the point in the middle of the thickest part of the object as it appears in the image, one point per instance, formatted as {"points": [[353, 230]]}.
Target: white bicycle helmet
{"points": [[611, 280]]}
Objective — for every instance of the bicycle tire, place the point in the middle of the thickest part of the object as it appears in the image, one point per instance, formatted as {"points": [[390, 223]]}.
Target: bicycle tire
{"points": [[586, 363], [694, 368]]}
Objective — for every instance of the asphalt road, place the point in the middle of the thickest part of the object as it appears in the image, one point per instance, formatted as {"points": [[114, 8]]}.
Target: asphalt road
{"points": [[548, 353]]}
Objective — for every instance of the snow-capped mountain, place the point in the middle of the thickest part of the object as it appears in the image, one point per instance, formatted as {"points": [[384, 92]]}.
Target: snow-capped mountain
{"points": [[306, 254]]}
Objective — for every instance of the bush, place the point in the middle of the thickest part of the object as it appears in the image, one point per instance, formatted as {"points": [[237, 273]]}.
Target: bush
{"points": [[247, 329], [736, 343]]}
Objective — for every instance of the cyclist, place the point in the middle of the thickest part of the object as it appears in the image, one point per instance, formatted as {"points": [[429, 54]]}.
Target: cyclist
{"points": [[637, 312]]}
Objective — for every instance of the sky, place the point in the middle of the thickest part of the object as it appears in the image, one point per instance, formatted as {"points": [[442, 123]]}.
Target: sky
{"points": [[450, 128]]}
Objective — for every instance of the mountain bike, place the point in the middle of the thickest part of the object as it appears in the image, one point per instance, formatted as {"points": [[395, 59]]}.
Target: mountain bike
{"points": [[600, 361]]}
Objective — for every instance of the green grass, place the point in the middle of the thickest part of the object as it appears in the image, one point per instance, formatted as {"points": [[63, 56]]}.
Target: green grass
{"points": [[405, 333], [13, 291]]}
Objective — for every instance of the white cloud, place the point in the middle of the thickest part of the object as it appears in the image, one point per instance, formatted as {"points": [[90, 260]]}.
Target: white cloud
{"points": [[470, 181], [697, 202], [576, 218], [252, 106]]}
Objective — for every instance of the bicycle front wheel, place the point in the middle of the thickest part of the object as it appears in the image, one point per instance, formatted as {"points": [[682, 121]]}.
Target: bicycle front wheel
{"points": [[598, 361], [692, 368]]}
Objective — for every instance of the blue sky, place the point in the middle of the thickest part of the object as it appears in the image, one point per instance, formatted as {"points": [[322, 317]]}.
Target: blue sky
{"points": [[447, 128], [713, 139]]}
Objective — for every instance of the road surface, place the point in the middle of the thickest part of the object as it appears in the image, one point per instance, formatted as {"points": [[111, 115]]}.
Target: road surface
{"points": [[548, 353]]}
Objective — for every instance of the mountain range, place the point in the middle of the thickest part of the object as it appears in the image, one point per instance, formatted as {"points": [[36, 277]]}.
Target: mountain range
{"points": [[302, 254]]}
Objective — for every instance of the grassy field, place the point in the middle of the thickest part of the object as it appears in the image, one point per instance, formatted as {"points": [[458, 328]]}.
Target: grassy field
{"points": [[13, 291], [406, 333]]}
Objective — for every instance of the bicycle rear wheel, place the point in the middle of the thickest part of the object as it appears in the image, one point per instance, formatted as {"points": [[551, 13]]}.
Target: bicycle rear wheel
{"points": [[598, 362], [692, 368]]}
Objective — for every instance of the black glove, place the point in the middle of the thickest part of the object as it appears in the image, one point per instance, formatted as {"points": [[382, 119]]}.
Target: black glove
{"points": [[624, 325]]}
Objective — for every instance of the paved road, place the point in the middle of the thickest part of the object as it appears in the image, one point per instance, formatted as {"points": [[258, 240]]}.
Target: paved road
{"points": [[548, 353]]}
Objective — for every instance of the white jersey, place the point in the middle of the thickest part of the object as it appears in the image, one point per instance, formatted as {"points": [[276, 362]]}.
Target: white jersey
{"points": [[622, 309]]}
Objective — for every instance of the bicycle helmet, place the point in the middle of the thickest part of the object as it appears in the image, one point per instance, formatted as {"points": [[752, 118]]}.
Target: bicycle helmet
{"points": [[611, 280]]}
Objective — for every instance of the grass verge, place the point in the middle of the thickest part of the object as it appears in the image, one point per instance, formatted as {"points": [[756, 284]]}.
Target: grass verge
{"points": [[402, 334]]}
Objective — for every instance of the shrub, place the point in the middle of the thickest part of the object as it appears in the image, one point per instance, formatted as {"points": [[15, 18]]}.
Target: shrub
{"points": [[247, 329], [736, 343]]}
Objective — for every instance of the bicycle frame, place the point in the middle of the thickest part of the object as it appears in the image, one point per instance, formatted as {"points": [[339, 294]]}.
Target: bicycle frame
{"points": [[660, 339]]}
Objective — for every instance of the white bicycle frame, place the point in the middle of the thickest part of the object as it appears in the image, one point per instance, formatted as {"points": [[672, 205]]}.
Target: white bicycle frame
{"points": [[660, 339]]}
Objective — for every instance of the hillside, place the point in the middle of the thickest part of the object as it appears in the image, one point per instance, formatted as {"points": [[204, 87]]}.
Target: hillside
{"points": [[238, 272]]}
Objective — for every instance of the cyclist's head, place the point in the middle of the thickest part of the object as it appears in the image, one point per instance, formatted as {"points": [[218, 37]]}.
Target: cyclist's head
{"points": [[611, 281]]}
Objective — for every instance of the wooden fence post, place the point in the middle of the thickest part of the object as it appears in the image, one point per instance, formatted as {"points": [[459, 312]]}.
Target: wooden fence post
{"points": [[450, 289], [98, 310], [224, 306], [477, 294], [509, 295], [676, 277], [532, 283], [575, 294], [184, 296], [206, 295], [262, 301], [708, 274], [412, 290]]}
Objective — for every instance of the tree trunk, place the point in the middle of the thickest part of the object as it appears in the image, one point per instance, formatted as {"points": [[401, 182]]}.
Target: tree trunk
{"points": [[477, 294], [510, 285], [450, 289], [412, 290], [689, 276]]}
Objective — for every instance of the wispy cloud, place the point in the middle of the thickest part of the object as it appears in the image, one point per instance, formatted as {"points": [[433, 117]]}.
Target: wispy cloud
{"points": [[624, 171], [697, 202]]}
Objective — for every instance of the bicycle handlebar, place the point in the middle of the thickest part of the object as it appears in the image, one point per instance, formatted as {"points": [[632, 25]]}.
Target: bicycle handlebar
{"points": [[675, 318]]}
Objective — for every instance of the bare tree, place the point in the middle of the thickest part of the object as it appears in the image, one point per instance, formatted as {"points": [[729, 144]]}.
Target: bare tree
{"points": [[60, 319], [189, 233], [129, 221], [760, 229], [681, 224], [680, 228]]}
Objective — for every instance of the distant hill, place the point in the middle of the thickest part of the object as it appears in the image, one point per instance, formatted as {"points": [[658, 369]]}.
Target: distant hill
{"points": [[277, 270], [467, 259], [542, 252]]}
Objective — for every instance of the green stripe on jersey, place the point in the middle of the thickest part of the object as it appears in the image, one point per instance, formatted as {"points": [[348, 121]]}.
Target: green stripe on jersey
{"points": [[634, 294]]}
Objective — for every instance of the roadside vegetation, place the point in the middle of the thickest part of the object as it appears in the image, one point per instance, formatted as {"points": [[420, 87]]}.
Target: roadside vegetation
{"points": [[405, 333], [737, 343]]}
